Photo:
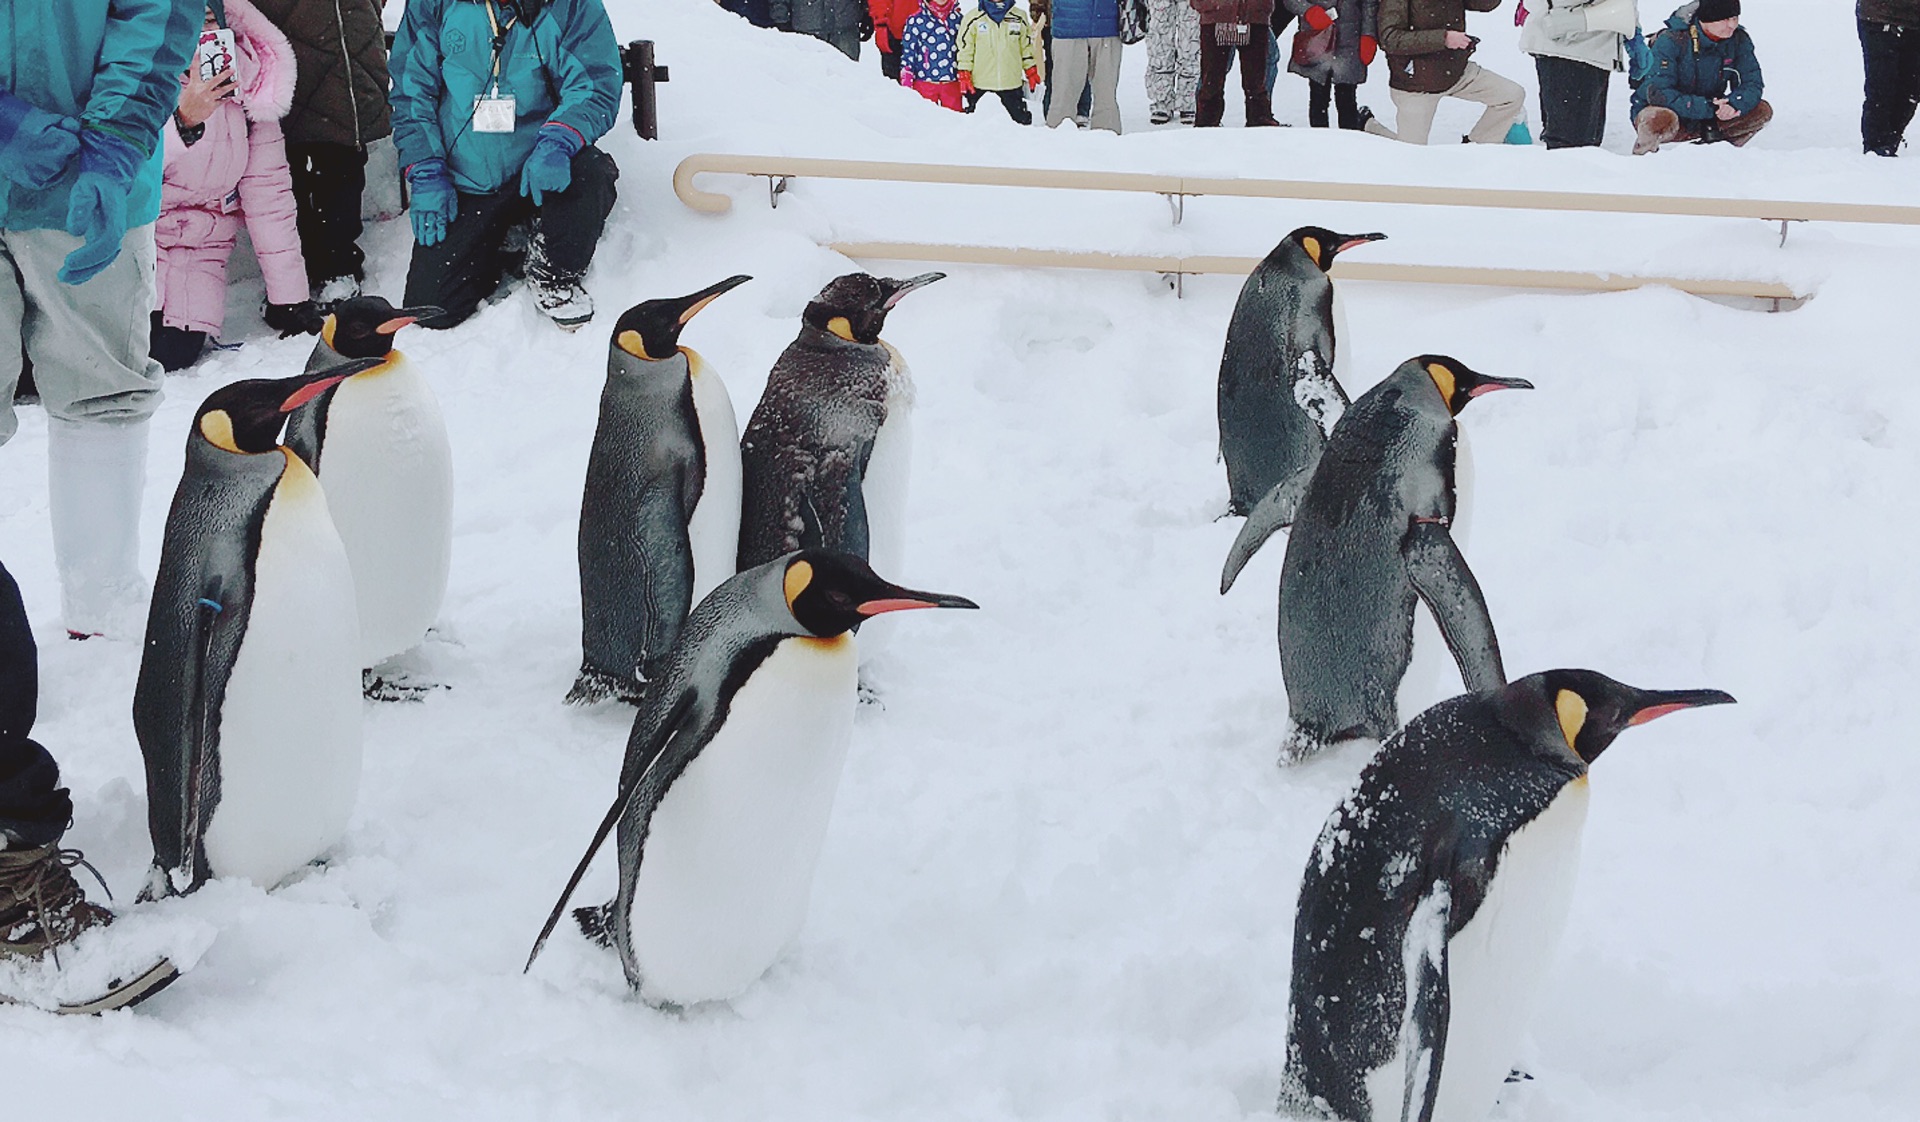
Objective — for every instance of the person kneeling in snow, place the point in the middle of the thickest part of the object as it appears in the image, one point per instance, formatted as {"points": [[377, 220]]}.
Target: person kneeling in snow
{"points": [[496, 105], [1430, 57], [227, 163], [997, 57], [928, 50], [1705, 84]]}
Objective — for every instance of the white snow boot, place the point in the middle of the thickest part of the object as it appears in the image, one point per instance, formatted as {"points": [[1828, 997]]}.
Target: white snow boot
{"points": [[96, 473]]}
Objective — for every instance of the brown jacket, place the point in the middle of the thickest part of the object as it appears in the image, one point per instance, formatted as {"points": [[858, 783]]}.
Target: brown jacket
{"points": [[1253, 12], [340, 91], [1413, 33]]}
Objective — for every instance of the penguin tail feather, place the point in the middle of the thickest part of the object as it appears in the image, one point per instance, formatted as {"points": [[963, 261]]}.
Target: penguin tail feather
{"points": [[596, 923]]}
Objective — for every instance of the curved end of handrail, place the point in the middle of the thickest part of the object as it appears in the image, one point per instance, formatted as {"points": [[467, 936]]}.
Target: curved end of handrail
{"points": [[706, 202]]}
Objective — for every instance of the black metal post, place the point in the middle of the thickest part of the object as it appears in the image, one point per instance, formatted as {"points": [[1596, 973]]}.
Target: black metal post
{"points": [[637, 59]]}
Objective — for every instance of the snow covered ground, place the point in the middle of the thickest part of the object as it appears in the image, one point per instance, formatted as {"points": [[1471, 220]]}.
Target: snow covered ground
{"points": [[1060, 878]]}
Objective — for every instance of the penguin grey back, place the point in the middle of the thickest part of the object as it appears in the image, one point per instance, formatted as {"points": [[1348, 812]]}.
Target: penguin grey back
{"points": [[645, 475], [202, 597], [809, 442], [1281, 331]]}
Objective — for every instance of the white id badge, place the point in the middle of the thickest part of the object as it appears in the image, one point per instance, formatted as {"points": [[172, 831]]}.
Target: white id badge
{"points": [[493, 114]]}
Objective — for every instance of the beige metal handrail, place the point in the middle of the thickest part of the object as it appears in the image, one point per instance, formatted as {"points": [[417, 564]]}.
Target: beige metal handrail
{"points": [[778, 168], [1343, 269]]}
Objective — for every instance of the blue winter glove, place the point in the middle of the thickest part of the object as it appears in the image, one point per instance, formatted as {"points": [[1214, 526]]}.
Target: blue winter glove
{"points": [[549, 166], [97, 209], [434, 200], [35, 145]]}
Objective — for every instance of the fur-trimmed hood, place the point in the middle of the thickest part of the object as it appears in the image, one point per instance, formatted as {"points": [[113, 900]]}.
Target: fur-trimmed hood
{"points": [[265, 63]]}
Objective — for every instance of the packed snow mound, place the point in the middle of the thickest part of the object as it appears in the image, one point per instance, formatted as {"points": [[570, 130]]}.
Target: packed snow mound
{"points": [[1060, 877]]}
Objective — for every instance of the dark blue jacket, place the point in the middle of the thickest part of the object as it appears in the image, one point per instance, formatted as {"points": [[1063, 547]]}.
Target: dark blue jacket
{"points": [[1085, 19], [562, 65], [1690, 70]]}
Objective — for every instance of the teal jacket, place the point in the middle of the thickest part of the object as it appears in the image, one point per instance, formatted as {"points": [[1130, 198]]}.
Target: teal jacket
{"points": [[115, 65], [561, 65]]}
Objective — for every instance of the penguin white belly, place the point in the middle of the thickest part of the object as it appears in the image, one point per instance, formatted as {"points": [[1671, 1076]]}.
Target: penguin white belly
{"points": [[388, 471], [289, 747], [730, 851], [714, 528], [1432, 674], [1496, 964]]}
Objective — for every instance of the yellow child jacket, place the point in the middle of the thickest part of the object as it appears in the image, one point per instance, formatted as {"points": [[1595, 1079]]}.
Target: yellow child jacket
{"points": [[997, 54]]}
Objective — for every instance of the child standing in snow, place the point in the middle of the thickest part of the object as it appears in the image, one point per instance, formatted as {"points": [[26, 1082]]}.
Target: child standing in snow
{"points": [[997, 56], [226, 163], [928, 49]]}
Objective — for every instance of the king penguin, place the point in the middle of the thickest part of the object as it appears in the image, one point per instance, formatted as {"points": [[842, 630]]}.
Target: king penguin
{"points": [[831, 439], [660, 520], [247, 705], [1280, 389], [730, 777], [1437, 893], [1370, 537], [379, 445]]}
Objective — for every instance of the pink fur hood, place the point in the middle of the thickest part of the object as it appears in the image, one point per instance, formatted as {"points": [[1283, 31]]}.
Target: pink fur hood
{"points": [[266, 63]]}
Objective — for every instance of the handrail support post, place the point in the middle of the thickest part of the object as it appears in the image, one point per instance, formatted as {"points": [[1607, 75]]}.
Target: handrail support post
{"points": [[776, 187], [1784, 224], [1178, 203]]}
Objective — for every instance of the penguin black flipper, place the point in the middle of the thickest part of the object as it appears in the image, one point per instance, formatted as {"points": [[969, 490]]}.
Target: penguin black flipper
{"points": [[663, 734], [1441, 576], [1272, 514], [1424, 1035], [856, 534], [811, 535]]}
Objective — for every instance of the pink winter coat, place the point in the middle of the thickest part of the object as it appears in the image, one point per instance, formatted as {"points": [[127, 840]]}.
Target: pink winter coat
{"points": [[236, 172]]}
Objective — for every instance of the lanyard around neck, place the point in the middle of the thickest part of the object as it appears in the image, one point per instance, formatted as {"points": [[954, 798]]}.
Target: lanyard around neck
{"points": [[499, 41]]}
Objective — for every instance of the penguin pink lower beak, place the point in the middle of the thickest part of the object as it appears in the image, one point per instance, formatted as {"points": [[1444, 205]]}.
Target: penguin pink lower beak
{"points": [[913, 602], [312, 390], [1488, 385]]}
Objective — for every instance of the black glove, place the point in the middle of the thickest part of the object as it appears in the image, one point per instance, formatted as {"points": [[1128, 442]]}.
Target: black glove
{"points": [[866, 26], [295, 319]]}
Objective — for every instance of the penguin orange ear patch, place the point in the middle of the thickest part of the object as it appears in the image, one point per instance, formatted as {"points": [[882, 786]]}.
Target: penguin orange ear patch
{"points": [[217, 427], [1571, 708], [1443, 380], [1312, 246], [841, 326], [799, 576], [630, 342]]}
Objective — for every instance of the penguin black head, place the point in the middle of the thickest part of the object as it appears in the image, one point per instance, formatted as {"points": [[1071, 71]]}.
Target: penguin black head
{"points": [[247, 416], [650, 330], [1585, 709], [1458, 383], [364, 326], [1323, 245], [830, 592], [855, 306]]}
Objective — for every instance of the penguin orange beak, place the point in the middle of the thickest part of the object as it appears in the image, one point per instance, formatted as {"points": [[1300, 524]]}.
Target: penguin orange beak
{"points": [[319, 386], [910, 600], [409, 316], [1663, 702], [1488, 384], [705, 296], [902, 287], [1358, 239]]}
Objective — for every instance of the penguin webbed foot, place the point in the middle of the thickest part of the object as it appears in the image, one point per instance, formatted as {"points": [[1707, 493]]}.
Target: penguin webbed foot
{"points": [[396, 686], [593, 686], [596, 923]]}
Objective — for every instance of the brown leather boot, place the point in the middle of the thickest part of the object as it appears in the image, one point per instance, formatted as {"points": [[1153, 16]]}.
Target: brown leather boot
{"points": [[42, 907]]}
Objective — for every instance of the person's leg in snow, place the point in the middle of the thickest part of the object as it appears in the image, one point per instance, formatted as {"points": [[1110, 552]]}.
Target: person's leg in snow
{"points": [[1892, 57], [88, 344], [328, 182], [569, 229], [465, 266]]}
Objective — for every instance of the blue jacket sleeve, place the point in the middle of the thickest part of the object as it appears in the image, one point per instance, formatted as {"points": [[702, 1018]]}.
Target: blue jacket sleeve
{"points": [[586, 72], [1752, 85], [137, 84], [417, 88], [1663, 87]]}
